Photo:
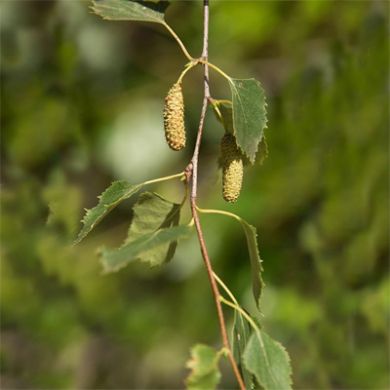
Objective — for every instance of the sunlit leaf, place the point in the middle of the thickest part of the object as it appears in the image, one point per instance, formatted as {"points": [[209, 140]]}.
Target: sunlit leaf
{"points": [[144, 11], [249, 114], [205, 374], [268, 361], [111, 197]]}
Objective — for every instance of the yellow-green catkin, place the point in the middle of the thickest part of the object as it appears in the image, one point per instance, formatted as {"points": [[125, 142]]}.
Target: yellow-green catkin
{"points": [[232, 168], [174, 118]]}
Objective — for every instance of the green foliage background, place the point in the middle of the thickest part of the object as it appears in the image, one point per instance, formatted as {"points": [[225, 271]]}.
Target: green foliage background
{"points": [[82, 105]]}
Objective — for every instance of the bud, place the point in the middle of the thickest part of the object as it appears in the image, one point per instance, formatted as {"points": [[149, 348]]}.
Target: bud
{"points": [[232, 168], [174, 118]]}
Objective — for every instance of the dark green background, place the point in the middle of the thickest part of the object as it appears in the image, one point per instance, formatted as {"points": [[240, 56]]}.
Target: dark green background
{"points": [[82, 106]]}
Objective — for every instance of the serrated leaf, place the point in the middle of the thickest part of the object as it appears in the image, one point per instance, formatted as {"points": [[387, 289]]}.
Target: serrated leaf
{"points": [[143, 11], [110, 198], [249, 114], [240, 337], [153, 212], [205, 374], [268, 361], [142, 248], [256, 267]]}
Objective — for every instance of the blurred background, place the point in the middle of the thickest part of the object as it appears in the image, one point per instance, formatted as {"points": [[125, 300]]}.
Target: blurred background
{"points": [[82, 103]]}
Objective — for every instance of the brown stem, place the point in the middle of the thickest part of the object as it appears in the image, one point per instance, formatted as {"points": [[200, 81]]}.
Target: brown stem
{"points": [[192, 173]]}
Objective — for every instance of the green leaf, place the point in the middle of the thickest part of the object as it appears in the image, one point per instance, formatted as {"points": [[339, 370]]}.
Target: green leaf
{"points": [[143, 248], [143, 11], [249, 114], [240, 338], [256, 267], [152, 212], [110, 198], [268, 361], [205, 374]]}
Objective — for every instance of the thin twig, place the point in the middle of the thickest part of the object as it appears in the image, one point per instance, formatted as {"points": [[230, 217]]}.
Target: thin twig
{"points": [[192, 174]]}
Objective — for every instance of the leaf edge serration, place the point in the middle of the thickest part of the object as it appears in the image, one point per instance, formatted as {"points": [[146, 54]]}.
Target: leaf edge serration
{"points": [[251, 157]]}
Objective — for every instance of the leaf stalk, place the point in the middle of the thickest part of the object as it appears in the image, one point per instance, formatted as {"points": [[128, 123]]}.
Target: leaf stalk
{"points": [[178, 40]]}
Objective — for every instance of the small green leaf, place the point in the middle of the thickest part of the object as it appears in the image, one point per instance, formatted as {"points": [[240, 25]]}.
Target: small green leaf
{"points": [[268, 361], [142, 248], [205, 374], [240, 338], [111, 197], [143, 11], [249, 114], [257, 269], [152, 212]]}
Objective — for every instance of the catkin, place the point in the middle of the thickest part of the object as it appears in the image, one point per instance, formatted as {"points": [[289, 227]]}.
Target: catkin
{"points": [[232, 168], [174, 118]]}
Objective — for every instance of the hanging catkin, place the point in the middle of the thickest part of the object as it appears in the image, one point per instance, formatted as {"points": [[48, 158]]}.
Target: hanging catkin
{"points": [[174, 118], [232, 168]]}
